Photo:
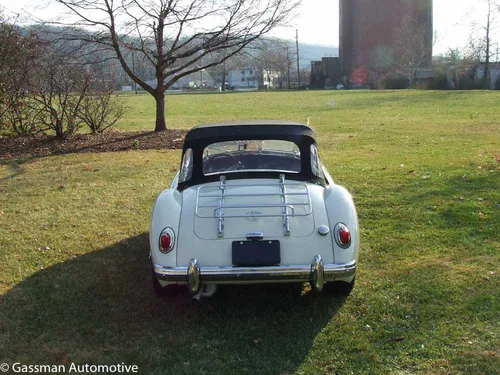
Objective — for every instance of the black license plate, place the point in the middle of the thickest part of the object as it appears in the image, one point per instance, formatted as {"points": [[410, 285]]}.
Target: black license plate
{"points": [[256, 253]]}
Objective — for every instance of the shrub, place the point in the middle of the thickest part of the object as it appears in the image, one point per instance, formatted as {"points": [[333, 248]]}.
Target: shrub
{"points": [[99, 111], [61, 85], [17, 52], [468, 84], [20, 116], [439, 82], [396, 83]]}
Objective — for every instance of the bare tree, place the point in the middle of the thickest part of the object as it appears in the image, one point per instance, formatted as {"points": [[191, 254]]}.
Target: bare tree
{"points": [[411, 48], [454, 64], [275, 58], [58, 87], [493, 9], [381, 65], [176, 37], [483, 36]]}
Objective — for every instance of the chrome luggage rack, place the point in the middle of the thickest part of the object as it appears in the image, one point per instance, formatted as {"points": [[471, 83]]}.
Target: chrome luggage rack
{"points": [[284, 208]]}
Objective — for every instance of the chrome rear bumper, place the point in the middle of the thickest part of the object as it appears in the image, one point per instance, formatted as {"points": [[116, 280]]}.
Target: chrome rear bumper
{"points": [[316, 273]]}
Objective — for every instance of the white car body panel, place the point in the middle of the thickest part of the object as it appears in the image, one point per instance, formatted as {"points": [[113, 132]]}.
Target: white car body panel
{"points": [[209, 250]]}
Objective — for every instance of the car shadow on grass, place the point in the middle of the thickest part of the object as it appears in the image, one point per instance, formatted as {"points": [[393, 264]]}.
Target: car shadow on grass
{"points": [[99, 308]]}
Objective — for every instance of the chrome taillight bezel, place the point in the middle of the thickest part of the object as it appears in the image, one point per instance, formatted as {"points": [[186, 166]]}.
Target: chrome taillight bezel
{"points": [[338, 240], [167, 231]]}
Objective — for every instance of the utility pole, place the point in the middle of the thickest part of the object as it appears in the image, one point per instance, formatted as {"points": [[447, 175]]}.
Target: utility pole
{"points": [[288, 65], [298, 65], [223, 87], [486, 74]]}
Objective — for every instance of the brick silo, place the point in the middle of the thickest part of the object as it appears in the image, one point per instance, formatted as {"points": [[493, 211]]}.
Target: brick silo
{"points": [[368, 25]]}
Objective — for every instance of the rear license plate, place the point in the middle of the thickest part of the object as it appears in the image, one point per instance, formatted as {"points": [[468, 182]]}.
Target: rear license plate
{"points": [[256, 253]]}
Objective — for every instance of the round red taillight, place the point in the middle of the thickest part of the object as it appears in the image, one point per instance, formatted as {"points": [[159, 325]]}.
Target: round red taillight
{"points": [[167, 239], [343, 235]]}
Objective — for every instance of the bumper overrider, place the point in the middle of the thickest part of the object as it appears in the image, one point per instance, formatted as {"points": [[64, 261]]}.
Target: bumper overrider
{"points": [[316, 273]]}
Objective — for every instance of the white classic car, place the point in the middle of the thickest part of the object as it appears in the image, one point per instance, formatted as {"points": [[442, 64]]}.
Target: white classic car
{"points": [[252, 203]]}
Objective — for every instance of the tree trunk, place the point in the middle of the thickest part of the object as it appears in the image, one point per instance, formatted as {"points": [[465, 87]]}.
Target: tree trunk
{"points": [[161, 125], [410, 81], [59, 129]]}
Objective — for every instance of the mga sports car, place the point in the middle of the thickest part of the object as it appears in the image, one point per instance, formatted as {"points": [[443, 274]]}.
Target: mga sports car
{"points": [[252, 203]]}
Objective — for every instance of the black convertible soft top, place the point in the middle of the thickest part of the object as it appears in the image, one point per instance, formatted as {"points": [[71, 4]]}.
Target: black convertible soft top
{"points": [[202, 136], [240, 130]]}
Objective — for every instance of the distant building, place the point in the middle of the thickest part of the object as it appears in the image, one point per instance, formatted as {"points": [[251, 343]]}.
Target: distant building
{"points": [[368, 28], [271, 79], [494, 69], [244, 78], [325, 73], [200, 79]]}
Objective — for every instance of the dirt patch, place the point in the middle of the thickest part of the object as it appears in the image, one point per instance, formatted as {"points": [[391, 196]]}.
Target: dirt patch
{"points": [[20, 147]]}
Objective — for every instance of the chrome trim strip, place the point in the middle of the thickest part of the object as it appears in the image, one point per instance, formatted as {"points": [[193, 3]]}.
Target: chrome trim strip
{"points": [[284, 209], [220, 209], [224, 192], [255, 236], [261, 274], [220, 219], [206, 195], [289, 182]]}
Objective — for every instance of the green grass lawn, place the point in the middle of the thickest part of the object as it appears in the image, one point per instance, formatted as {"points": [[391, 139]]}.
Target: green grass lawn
{"points": [[424, 171]]}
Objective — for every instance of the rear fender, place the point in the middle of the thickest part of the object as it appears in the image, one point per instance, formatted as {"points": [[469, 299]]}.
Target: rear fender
{"points": [[166, 213], [340, 208]]}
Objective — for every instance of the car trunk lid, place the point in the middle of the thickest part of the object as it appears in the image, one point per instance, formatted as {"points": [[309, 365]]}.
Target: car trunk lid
{"points": [[252, 206]]}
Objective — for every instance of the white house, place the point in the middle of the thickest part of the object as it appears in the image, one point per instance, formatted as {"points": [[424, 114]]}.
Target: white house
{"points": [[194, 80], [244, 78], [252, 78], [271, 78]]}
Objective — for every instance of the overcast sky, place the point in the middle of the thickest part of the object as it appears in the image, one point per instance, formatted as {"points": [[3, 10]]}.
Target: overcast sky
{"points": [[318, 20]]}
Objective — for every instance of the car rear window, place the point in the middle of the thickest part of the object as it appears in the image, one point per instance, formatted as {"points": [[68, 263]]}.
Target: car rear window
{"points": [[251, 155]]}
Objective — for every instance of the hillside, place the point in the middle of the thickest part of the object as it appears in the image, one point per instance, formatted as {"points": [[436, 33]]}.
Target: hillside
{"points": [[314, 52]]}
